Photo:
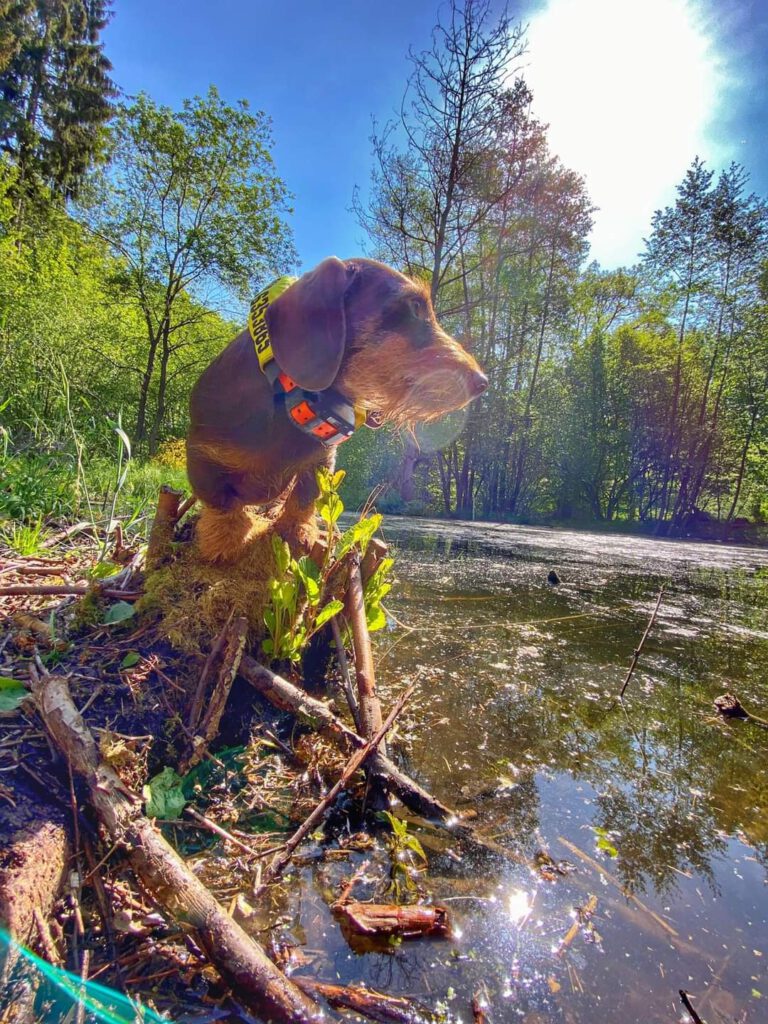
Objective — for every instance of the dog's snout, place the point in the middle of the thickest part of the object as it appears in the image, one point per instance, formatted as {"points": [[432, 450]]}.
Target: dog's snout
{"points": [[478, 383]]}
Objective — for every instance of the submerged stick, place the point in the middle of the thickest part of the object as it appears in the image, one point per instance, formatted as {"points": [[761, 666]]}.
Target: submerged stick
{"points": [[639, 648], [367, 1002], [283, 858], [695, 1018], [235, 954]]}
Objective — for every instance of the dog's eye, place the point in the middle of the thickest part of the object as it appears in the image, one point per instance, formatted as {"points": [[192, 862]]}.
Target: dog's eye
{"points": [[418, 308]]}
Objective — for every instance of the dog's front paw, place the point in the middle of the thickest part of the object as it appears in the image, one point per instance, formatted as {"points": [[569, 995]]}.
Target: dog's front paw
{"points": [[300, 537]]}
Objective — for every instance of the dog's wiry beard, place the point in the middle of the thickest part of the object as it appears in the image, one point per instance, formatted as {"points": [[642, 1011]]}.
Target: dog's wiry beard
{"points": [[406, 386]]}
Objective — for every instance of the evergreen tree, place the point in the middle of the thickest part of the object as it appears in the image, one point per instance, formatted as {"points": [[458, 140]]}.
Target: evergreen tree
{"points": [[55, 91]]}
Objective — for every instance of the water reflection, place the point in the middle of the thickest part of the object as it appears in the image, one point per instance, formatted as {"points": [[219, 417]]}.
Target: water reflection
{"points": [[660, 807]]}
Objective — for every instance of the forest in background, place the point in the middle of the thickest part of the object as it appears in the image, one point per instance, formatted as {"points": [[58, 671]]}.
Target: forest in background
{"points": [[129, 232]]}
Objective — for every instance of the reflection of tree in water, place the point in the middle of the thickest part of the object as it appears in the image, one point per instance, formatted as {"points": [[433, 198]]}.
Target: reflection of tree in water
{"points": [[656, 837]]}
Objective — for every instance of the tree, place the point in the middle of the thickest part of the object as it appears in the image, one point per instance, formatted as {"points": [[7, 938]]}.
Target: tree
{"points": [[423, 202], [55, 91], [190, 204]]}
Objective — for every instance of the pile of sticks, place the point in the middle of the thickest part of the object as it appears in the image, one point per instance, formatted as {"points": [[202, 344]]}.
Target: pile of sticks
{"points": [[257, 981]]}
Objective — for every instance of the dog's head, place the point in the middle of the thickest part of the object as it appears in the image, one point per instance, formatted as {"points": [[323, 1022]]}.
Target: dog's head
{"points": [[372, 333]]}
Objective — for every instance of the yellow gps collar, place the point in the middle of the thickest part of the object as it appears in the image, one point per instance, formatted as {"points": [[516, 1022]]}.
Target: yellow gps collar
{"points": [[327, 415]]}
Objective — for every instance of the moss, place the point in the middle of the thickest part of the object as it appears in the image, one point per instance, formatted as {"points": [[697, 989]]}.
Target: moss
{"points": [[87, 612], [193, 599]]}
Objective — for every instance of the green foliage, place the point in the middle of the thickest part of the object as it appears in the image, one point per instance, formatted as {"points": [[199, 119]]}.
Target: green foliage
{"points": [[298, 605], [55, 91], [164, 796], [406, 854], [12, 693], [23, 538], [118, 613]]}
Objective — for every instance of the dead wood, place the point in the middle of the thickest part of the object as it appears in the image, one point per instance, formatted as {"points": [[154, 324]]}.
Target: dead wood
{"points": [[185, 506], [583, 917], [161, 535], [34, 855], [287, 697], [237, 957], [235, 635], [30, 589], [282, 859], [354, 609], [366, 1001], [695, 1018], [389, 919], [729, 706], [639, 647], [57, 538]]}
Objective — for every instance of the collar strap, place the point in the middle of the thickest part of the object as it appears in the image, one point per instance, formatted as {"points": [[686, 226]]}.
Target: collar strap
{"points": [[327, 416]]}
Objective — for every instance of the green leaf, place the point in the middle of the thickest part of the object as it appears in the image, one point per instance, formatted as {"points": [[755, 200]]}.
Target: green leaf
{"points": [[132, 658], [327, 612], [118, 613], [163, 795], [12, 693], [376, 618], [282, 553], [338, 476]]}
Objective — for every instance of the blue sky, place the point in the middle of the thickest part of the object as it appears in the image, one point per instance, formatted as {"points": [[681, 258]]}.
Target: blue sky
{"points": [[322, 68]]}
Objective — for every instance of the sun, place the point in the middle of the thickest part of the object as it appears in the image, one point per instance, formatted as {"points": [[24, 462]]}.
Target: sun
{"points": [[629, 90]]}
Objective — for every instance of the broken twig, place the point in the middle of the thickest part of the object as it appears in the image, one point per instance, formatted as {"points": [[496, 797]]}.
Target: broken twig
{"points": [[639, 648]]}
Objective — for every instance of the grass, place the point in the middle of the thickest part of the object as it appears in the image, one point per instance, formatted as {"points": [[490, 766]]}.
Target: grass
{"points": [[24, 538], [38, 488]]}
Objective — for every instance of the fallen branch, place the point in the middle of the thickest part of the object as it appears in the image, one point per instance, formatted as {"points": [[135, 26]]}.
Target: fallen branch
{"points": [[639, 648], [230, 662], [354, 610], [346, 679], [57, 538], [283, 858], [31, 589], [367, 1002], [287, 697], [196, 707], [237, 957]]}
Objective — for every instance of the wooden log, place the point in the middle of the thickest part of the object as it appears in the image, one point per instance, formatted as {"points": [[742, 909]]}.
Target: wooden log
{"points": [[161, 534], [35, 849], [389, 919], [238, 958]]}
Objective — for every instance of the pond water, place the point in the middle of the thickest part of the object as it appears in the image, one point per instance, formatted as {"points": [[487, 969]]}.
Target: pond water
{"points": [[658, 808]]}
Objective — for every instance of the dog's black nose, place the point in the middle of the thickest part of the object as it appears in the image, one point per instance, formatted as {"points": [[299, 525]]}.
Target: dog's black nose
{"points": [[478, 382]]}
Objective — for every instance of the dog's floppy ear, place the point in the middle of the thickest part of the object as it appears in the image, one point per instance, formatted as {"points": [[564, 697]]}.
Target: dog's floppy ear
{"points": [[307, 325]]}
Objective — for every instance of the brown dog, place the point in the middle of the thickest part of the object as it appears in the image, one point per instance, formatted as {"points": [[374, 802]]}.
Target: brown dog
{"points": [[356, 327]]}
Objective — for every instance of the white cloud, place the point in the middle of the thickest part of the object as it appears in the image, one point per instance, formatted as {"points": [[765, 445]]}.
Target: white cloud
{"points": [[628, 88]]}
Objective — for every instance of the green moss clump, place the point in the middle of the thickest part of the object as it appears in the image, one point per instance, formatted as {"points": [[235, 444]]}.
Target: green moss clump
{"points": [[193, 599]]}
